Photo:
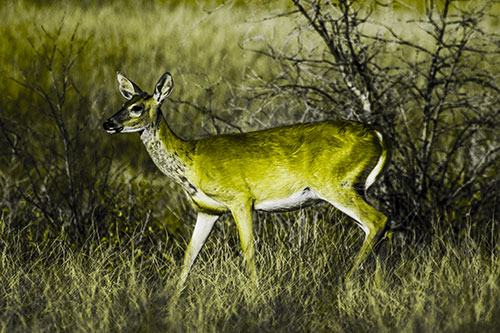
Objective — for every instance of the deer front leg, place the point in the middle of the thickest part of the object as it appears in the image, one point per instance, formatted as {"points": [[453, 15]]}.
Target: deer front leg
{"points": [[204, 224], [243, 217]]}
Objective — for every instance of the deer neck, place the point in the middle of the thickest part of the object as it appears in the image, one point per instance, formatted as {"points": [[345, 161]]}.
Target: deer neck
{"points": [[170, 153]]}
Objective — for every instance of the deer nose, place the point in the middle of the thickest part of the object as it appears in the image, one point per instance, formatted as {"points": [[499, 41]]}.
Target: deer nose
{"points": [[111, 126]]}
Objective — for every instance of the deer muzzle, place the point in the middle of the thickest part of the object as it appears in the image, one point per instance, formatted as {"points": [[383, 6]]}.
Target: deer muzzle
{"points": [[111, 126]]}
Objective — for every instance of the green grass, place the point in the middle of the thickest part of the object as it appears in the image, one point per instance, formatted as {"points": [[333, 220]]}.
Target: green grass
{"points": [[444, 287]]}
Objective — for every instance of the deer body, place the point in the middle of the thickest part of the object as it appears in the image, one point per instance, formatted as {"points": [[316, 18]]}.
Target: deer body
{"points": [[277, 169]]}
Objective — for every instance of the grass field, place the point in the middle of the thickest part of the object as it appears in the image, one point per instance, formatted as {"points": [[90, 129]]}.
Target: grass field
{"points": [[443, 287], [123, 277]]}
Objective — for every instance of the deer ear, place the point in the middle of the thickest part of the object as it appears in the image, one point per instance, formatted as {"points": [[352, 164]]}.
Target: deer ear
{"points": [[127, 87], [163, 87]]}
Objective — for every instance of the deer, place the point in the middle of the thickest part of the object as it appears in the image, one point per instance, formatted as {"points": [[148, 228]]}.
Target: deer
{"points": [[272, 170]]}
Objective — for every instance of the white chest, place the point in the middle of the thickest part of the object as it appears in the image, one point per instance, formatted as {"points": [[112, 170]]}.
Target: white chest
{"points": [[168, 163], [166, 160]]}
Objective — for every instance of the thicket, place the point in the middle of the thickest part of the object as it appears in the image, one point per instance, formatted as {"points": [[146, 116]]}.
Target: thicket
{"points": [[429, 81], [59, 182]]}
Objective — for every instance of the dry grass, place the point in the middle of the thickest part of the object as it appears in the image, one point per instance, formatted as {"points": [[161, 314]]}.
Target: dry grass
{"points": [[445, 287]]}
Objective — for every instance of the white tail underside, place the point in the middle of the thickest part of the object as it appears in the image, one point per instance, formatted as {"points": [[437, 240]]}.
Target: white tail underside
{"points": [[378, 168]]}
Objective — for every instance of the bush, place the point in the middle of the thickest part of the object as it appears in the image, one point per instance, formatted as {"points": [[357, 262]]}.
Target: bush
{"points": [[427, 81]]}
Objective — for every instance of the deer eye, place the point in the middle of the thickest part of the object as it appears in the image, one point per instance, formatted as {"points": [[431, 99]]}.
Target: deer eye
{"points": [[136, 110]]}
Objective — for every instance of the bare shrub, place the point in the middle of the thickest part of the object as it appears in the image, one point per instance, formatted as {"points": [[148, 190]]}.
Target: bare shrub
{"points": [[58, 181], [435, 92]]}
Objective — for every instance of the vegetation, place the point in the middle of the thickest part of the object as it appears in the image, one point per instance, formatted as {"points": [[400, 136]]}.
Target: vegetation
{"points": [[92, 235], [445, 286]]}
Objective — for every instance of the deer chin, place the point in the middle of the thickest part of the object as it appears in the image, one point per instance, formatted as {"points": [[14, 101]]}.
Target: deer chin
{"points": [[126, 129], [114, 130]]}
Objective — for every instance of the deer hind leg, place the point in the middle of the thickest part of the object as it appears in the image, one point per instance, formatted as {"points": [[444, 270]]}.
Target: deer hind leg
{"points": [[368, 218], [243, 216]]}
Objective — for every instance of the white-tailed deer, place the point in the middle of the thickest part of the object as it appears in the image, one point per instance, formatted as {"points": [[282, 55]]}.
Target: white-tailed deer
{"points": [[277, 169]]}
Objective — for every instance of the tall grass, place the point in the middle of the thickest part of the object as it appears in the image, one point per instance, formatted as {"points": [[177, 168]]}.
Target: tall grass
{"points": [[445, 287]]}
